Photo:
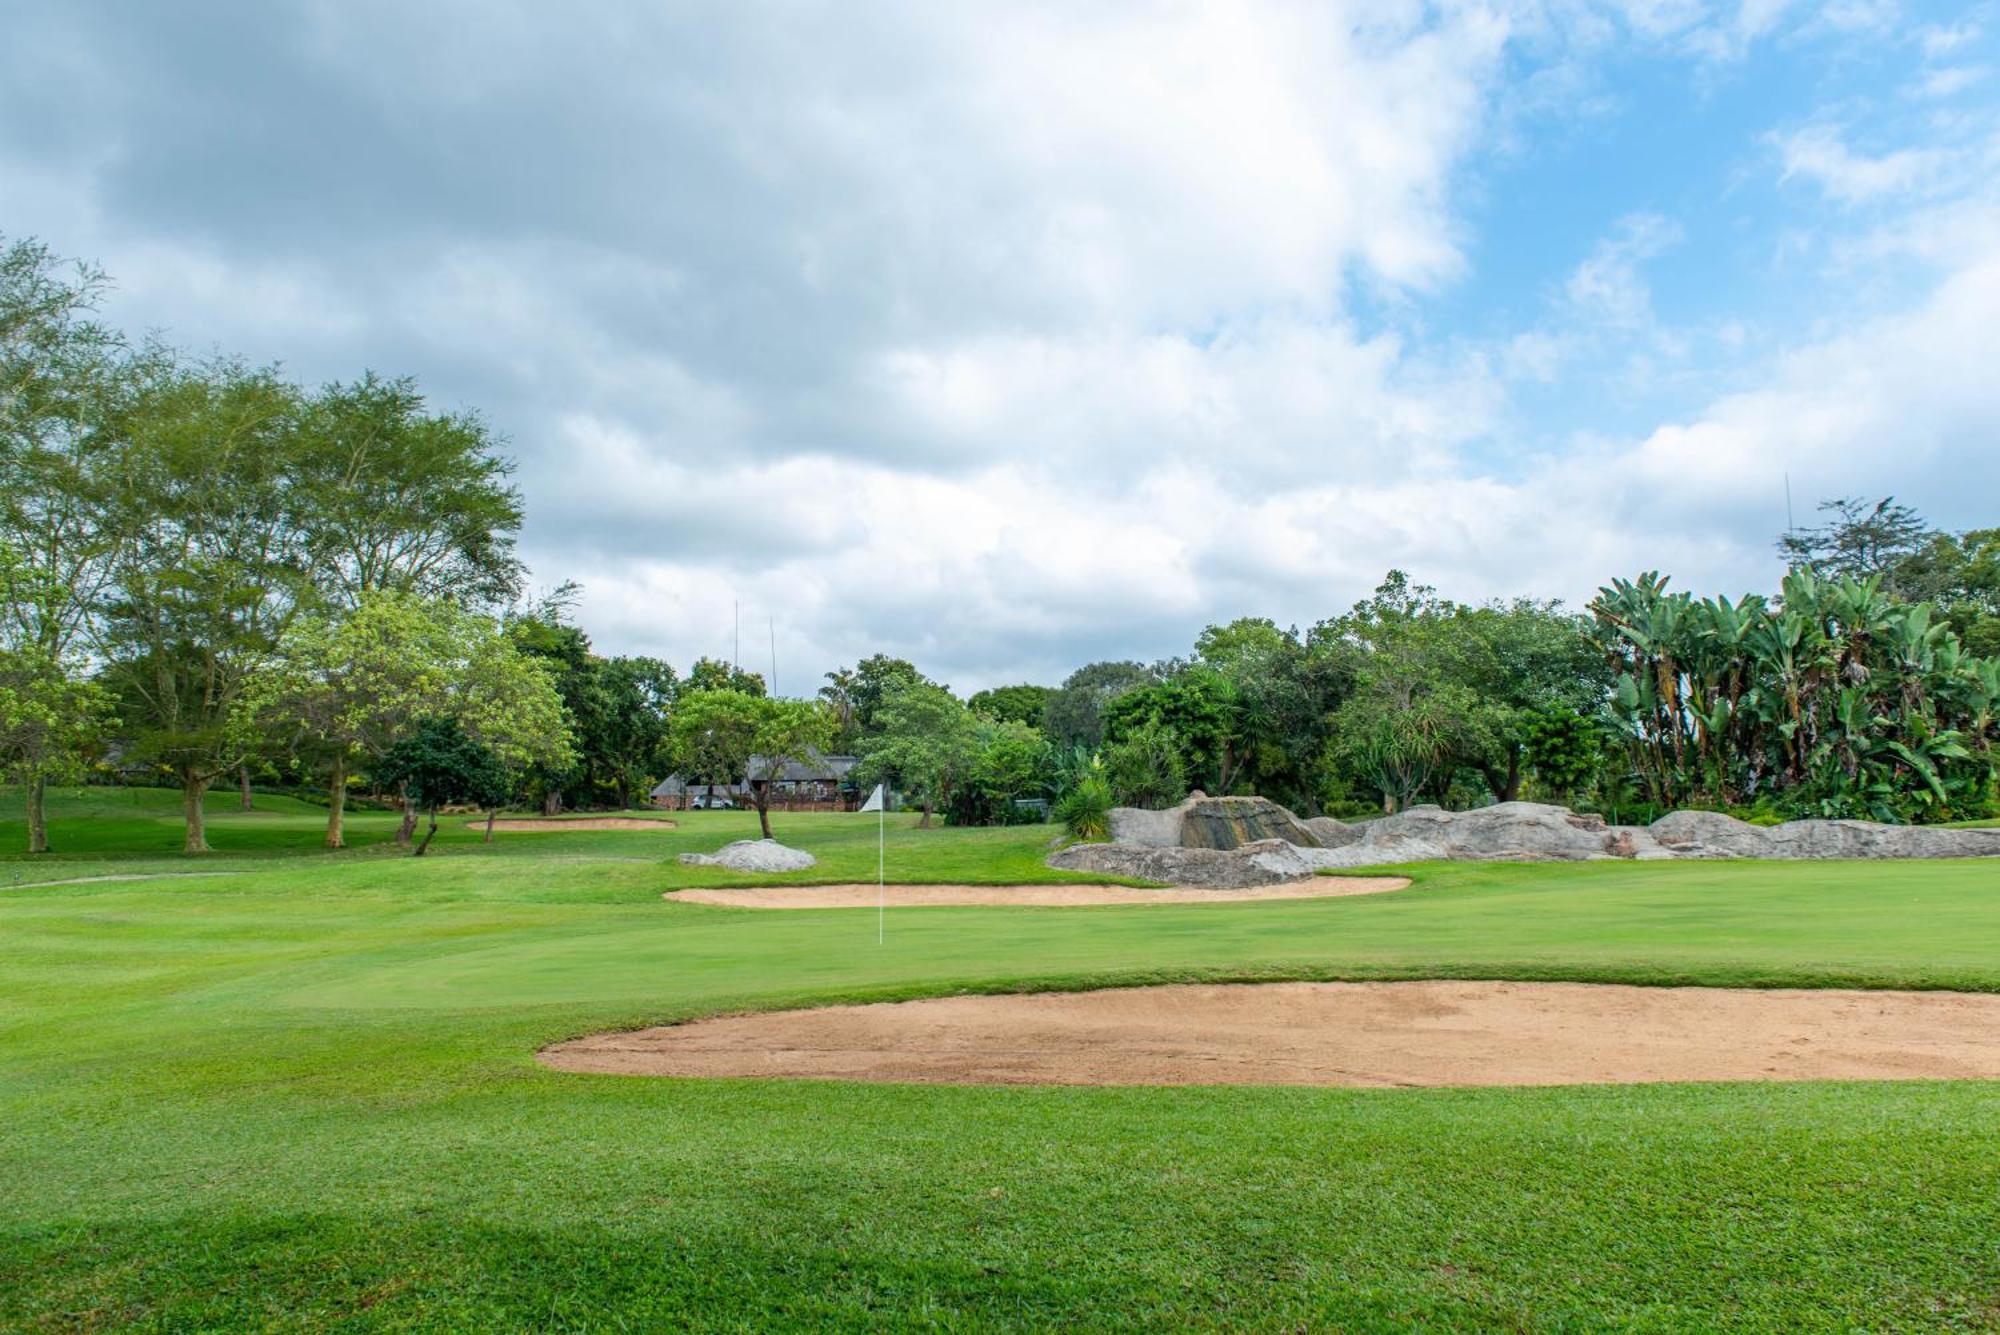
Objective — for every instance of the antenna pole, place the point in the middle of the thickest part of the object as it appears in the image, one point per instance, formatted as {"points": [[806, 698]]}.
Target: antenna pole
{"points": [[736, 652]]}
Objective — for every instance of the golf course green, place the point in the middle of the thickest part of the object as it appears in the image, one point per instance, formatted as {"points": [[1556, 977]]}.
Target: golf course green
{"points": [[277, 1088]]}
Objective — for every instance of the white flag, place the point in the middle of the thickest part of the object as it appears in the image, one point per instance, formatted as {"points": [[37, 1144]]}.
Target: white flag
{"points": [[874, 802]]}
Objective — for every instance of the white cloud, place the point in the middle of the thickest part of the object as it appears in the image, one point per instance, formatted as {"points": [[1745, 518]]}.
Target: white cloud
{"points": [[1608, 287], [1820, 154]]}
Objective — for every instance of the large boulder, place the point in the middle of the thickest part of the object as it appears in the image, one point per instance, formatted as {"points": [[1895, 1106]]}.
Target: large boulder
{"points": [[1266, 862], [1506, 832], [754, 855], [1210, 822]]}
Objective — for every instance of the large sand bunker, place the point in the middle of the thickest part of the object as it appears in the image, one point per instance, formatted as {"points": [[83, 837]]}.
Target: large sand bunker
{"points": [[558, 824], [862, 895], [1359, 1034]]}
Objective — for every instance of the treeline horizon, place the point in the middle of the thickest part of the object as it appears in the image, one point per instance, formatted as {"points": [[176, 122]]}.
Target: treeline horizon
{"points": [[209, 572]]}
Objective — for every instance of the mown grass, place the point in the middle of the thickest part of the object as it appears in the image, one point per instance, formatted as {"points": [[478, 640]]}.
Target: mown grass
{"points": [[296, 1091]]}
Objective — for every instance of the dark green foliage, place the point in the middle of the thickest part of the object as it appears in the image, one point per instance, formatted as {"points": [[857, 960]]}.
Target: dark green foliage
{"points": [[1073, 715], [1198, 706], [1563, 750], [712, 674], [1010, 762], [1012, 704], [438, 764], [407, 499], [1835, 700], [1145, 767]]}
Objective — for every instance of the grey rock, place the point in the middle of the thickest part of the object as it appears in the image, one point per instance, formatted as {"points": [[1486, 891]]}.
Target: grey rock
{"points": [[1146, 829], [1710, 834], [1210, 868], [1333, 833], [753, 855], [1210, 822]]}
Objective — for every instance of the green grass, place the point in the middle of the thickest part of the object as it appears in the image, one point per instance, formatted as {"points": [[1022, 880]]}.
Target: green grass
{"points": [[296, 1091]]}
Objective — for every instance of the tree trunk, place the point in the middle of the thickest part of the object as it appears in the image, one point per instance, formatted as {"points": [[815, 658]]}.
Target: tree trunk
{"points": [[38, 815], [429, 835], [763, 798], [1388, 804], [925, 823], [193, 793], [243, 786], [552, 802], [491, 812], [336, 804], [408, 829]]}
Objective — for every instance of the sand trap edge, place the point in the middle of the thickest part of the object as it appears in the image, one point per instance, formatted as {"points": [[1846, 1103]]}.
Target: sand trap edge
{"points": [[861, 894]]}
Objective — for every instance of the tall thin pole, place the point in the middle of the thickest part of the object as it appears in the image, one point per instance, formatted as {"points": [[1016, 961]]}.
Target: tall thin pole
{"points": [[736, 651], [772, 622], [881, 865]]}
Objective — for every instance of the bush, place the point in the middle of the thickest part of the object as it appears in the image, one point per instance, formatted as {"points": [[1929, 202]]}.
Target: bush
{"points": [[1085, 810], [1145, 768]]}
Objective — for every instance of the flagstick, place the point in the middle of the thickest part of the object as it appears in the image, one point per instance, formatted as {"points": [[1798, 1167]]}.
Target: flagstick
{"points": [[881, 871]]}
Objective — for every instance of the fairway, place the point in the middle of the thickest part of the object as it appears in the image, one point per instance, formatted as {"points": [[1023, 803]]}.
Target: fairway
{"points": [[299, 1091]]}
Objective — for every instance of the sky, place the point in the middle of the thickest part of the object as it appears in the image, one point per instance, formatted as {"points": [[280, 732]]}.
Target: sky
{"points": [[1006, 338]]}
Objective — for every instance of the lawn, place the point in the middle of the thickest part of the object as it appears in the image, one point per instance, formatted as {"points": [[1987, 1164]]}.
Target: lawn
{"points": [[296, 1091]]}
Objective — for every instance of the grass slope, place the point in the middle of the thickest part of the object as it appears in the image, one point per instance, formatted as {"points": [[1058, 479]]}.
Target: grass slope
{"points": [[297, 1092]]}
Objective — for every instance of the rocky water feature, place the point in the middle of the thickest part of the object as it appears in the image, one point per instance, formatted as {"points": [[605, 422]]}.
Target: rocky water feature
{"points": [[1235, 842]]}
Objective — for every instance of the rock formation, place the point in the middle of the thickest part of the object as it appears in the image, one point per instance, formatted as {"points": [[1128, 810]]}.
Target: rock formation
{"points": [[753, 855], [1234, 842]]}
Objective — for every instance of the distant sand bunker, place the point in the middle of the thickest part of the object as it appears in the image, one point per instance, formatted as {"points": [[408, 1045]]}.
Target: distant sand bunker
{"points": [[585, 823], [1357, 1034], [862, 895]]}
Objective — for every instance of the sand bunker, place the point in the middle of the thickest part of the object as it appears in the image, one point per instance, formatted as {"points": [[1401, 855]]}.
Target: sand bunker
{"points": [[581, 823], [861, 895], [1358, 1034]]}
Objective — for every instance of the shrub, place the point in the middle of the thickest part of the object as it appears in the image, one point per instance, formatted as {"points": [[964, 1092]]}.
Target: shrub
{"points": [[1145, 768], [1085, 810]]}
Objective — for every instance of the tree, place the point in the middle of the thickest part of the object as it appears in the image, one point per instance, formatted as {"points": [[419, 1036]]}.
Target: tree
{"points": [[406, 499], [508, 702], [1859, 540], [925, 739], [66, 382], [440, 764], [1960, 572], [712, 674], [1563, 749], [1012, 704], [838, 697], [342, 689], [211, 569], [52, 722], [727, 735], [875, 679], [1010, 761], [1200, 709], [638, 693], [1836, 699], [710, 736], [787, 731], [1072, 716]]}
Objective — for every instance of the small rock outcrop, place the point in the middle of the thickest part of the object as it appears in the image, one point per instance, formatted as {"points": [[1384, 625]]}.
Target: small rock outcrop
{"points": [[753, 855]]}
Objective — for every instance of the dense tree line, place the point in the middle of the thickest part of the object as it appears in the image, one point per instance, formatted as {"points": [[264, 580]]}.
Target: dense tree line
{"points": [[1866, 686]]}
